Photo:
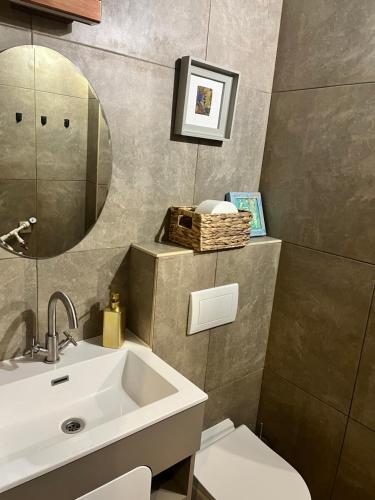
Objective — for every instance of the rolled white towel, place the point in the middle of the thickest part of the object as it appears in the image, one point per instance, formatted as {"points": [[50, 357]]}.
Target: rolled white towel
{"points": [[216, 207]]}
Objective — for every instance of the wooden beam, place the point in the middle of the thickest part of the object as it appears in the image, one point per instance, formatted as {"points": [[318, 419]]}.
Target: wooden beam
{"points": [[88, 11]]}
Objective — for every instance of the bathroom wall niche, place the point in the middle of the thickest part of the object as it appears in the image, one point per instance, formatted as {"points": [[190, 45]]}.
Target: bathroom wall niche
{"points": [[55, 155]]}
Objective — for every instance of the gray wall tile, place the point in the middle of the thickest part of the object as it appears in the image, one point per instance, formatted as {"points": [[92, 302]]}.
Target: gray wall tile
{"points": [[56, 74], [17, 203], [61, 152], [142, 271], [88, 278], [17, 64], [176, 278], [235, 165], [356, 479], [151, 172], [243, 35], [11, 37], [325, 42], [239, 348], [237, 400], [17, 162], [363, 407], [58, 199], [318, 175], [156, 30], [318, 322], [303, 430], [18, 306]]}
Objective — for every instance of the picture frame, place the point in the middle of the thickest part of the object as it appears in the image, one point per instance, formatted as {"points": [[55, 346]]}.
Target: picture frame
{"points": [[206, 100], [252, 202]]}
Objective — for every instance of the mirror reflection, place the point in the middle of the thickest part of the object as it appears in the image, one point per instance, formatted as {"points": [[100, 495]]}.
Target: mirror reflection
{"points": [[55, 153]]}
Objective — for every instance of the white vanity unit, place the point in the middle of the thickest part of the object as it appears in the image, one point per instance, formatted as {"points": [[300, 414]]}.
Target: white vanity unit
{"points": [[70, 428]]}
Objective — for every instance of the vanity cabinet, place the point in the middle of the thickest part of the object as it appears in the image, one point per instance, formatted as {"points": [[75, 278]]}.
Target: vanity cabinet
{"points": [[167, 448]]}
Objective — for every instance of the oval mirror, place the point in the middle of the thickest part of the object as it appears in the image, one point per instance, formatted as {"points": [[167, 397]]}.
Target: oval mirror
{"points": [[55, 153]]}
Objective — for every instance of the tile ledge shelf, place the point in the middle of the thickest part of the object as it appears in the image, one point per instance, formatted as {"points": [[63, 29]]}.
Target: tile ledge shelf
{"points": [[159, 250]]}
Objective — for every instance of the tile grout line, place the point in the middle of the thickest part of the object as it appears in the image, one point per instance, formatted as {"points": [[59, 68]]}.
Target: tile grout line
{"points": [[363, 346], [208, 28], [196, 172], [362, 424], [238, 379], [330, 405], [103, 49], [198, 144], [353, 394], [154, 291], [209, 331], [331, 86], [326, 252]]}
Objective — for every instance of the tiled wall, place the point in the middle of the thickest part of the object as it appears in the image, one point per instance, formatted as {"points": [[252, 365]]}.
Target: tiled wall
{"points": [[130, 60], [318, 178], [227, 361]]}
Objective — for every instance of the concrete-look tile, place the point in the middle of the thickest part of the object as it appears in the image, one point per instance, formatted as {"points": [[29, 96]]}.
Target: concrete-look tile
{"points": [[5, 254], [61, 216], [325, 43], [320, 144], [104, 150], [56, 74], [12, 37], [363, 407], [17, 203], [156, 30], [235, 165], [356, 479], [303, 430], [237, 400], [151, 172], [18, 306], [61, 152], [239, 348], [243, 36], [17, 66], [88, 278], [17, 162], [176, 278], [141, 293], [318, 322]]}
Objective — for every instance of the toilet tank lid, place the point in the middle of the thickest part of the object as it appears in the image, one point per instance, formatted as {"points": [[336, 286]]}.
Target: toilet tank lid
{"points": [[240, 463]]}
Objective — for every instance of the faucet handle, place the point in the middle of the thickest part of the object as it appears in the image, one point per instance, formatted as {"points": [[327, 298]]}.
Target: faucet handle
{"points": [[30, 352], [70, 338], [35, 347]]}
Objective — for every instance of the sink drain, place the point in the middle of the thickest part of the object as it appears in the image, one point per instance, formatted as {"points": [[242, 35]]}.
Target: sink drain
{"points": [[73, 425]]}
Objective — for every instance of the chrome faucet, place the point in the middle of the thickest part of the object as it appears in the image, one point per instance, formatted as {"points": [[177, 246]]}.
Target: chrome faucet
{"points": [[53, 347]]}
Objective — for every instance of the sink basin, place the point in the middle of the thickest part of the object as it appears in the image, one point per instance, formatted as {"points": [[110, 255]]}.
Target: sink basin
{"points": [[96, 395]]}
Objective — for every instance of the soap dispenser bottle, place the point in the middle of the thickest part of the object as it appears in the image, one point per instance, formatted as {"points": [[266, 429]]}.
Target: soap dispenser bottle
{"points": [[114, 323]]}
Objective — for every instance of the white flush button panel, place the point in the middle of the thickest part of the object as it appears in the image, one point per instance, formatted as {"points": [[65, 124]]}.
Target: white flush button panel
{"points": [[212, 307]]}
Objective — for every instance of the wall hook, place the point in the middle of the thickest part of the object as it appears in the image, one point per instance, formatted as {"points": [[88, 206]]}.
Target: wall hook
{"points": [[66, 123], [19, 117], [43, 120]]}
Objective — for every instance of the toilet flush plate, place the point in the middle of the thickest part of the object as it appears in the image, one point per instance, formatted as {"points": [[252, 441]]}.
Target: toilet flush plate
{"points": [[212, 307]]}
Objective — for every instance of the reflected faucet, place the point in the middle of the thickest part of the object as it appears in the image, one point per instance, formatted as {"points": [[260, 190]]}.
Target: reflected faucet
{"points": [[53, 347]]}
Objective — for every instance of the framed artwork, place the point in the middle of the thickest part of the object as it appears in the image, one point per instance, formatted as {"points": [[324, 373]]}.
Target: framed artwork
{"points": [[251, 202], [206, 100]]}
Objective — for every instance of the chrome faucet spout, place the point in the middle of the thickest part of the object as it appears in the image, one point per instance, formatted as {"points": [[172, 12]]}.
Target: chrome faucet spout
{"points": [[70, 311], [53, 346]]}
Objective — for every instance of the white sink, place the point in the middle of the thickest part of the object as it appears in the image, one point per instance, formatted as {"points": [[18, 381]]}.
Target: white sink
{"points": [[114, 393]]}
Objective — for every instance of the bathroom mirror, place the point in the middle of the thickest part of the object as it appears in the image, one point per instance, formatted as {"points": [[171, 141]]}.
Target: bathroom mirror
{"points": [[55, 153]]}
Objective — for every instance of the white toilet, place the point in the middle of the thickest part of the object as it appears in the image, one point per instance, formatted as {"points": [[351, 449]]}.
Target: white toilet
{"points": [[234, 464]]}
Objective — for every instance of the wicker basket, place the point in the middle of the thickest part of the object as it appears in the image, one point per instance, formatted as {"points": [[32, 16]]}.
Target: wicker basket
{"points": [[203, 232]]}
